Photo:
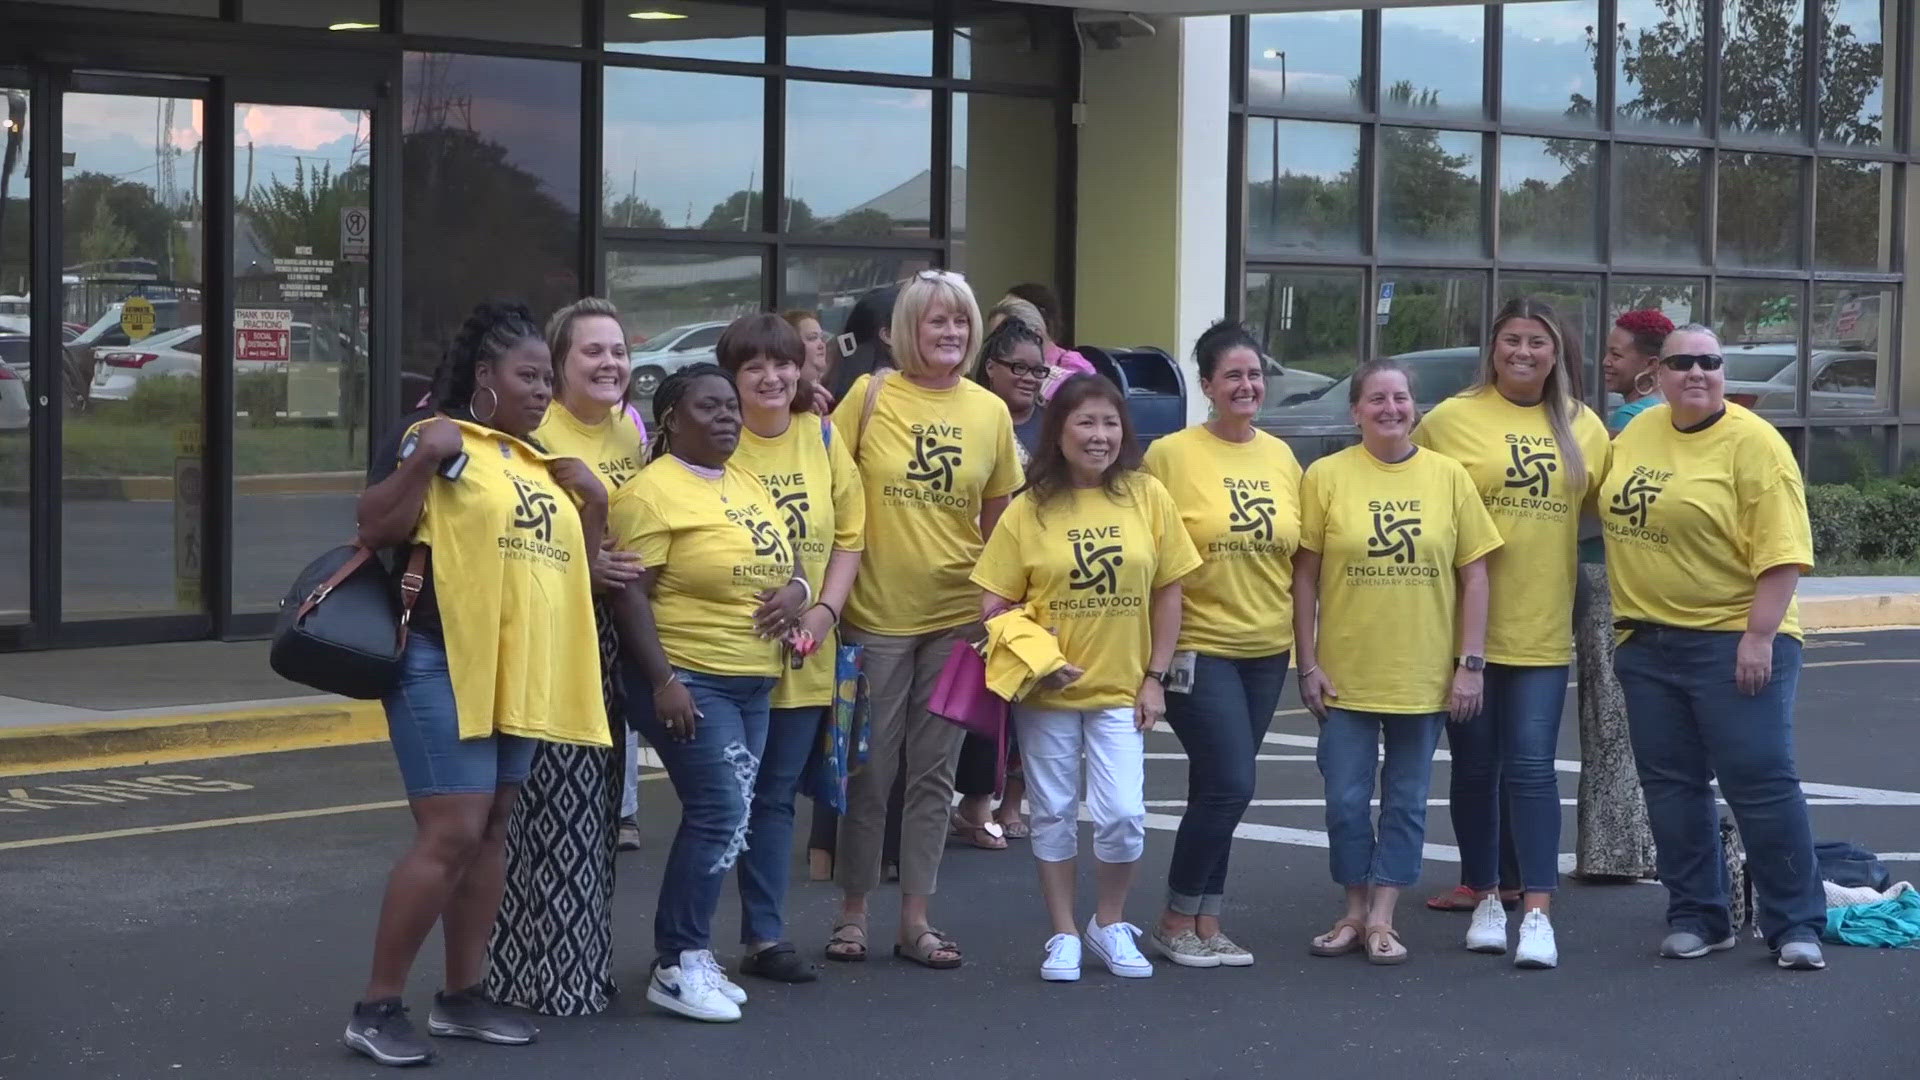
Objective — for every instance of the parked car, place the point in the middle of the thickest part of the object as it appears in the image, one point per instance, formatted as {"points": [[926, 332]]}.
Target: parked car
{"points": [[15, 414], [669, 351], [1843, 381], [16, 352], [177, 353], [106, 331], [1438, 374]]}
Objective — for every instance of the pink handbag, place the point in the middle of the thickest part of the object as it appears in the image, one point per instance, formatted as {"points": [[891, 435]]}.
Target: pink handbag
{"points": [[961, 697]]}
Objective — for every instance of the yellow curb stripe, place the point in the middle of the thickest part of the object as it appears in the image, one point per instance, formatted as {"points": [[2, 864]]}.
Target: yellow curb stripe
{"points": [[1858, 612], [188, 737]]}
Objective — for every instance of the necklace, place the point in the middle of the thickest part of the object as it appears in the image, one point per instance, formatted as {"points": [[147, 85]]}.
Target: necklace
{"points": [[715, 478]]}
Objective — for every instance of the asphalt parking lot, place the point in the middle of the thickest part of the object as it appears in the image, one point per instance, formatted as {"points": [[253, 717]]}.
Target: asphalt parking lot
{"points": [[212, 919]]}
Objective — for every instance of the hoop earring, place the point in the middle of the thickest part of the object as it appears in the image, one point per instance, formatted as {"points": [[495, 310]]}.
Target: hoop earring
{"points": [[1653, 383], [487, 419]]}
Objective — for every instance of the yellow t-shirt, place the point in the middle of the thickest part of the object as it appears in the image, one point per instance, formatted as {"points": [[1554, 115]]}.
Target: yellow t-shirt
{"points": [[928, 459], [1391, 538], [817, 490], [611, 446], [716, 544], [1240, 503], [1692, 520], [514, 586], [1088, 564], [1510, 453]]}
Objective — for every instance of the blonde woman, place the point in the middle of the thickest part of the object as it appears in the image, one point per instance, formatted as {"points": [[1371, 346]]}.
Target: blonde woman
{"points": [[937, 455]]}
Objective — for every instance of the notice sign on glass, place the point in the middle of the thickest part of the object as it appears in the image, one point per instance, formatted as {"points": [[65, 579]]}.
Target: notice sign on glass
{"points": [[262, 334]]}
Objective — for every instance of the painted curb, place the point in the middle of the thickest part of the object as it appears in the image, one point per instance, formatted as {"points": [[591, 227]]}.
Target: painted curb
{"points": [[188, 736], [1859, 612]]}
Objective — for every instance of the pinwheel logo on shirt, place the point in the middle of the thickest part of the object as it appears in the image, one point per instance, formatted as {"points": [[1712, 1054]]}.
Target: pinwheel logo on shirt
{"points": [[1530, 468], [1636, 497], [1251, 514], [794, 505], [535, 510], [1393, 536], [1096, 566], [934, 460], [767, 542]]}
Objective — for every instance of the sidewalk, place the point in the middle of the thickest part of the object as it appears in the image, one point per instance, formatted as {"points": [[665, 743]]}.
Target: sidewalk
{"points": [[144, 704]]}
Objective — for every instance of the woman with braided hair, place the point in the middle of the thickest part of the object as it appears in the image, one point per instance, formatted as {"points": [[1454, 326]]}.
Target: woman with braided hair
{"points": [[500, 657]]}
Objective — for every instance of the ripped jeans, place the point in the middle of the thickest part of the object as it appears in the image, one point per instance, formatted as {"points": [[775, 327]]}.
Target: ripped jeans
{"points": [[713, 773]]}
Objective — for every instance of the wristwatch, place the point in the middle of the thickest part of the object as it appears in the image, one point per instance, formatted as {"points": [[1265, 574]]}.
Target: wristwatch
{"points": [[1473, 663], [1158, 676]]}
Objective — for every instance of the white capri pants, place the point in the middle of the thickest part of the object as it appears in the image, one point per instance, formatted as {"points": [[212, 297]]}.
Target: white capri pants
{"points": [[1051, 745]]}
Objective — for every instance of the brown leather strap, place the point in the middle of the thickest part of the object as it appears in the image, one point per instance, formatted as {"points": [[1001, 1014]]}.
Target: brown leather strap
{"points": [[320, 591], [866, 409], [412, 581]]}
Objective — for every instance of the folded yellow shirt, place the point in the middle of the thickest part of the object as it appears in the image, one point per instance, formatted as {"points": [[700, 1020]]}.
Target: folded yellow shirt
{"points": [[1020, 652]]}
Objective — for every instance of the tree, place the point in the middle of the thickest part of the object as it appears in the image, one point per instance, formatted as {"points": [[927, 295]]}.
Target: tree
{"points": [[741, 212], [633, 213], [129, 208]]}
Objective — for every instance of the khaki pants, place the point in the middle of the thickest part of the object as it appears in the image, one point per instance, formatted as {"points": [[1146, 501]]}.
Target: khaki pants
{"points": [[900, 674]]}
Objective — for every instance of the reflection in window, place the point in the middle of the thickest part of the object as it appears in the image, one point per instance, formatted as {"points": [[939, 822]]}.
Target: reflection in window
{"points": [[1847, 455], [1853, 215], [1679, 299], [1657, 204], [1575, 300], [1763, 69], [1759, 327], [1305, 59], [1008, 44], [860, 38], [1549, 205], [1430, 192], [207, 8], [1004, 191], [1548, 72], [683, 151], [1431, 60], [1434, 325], [1855, 71], [551, 22], [887, 132], [1760, 202], [340, 15], [1850, 355], [1659, 77], [16, 360], [674, 304], [1309, 323], [830, 283], [490, 192], [693, 29], [1303, 185]]}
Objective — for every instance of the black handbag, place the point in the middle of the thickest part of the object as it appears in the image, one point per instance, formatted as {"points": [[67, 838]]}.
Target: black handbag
{"points": [[341, 629]]}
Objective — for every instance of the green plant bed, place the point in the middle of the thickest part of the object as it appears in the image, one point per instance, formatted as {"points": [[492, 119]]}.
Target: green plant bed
{"points": [[1876, 523], [1869, 568], [105, 444]]}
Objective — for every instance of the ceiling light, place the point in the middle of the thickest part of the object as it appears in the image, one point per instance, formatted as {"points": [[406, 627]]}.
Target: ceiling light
{"points": [[354, 26], [654, 16]]}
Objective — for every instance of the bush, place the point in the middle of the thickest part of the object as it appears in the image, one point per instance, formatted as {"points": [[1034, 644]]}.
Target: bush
{"points": [[1838, 514], [165, 400], [1890, 521], [262, 396]]}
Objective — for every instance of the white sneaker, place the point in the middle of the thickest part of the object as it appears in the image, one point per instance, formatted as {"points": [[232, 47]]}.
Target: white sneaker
{"points": [[727, 986], [1537, 948], [1488, 934], [1063, 959], [690, 989], [1115, 945]]}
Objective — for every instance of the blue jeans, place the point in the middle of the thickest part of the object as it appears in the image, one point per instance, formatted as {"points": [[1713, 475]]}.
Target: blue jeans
{"points": [[1510, 745], [425, 728], [1690, 724], [714, 774], [791, 735], [1349, 750], [1222, 725]]}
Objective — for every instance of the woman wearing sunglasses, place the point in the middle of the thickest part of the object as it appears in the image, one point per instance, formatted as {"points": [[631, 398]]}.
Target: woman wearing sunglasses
{"points": [[1707, 536]]}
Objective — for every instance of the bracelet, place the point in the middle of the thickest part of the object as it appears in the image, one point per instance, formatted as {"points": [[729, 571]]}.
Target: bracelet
{"points": [[1310, 671], [808, 589], [672, 677], [830, 610]]}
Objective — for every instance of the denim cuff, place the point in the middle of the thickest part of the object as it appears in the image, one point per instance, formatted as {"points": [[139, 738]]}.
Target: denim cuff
{"points": [[1181, 904]]}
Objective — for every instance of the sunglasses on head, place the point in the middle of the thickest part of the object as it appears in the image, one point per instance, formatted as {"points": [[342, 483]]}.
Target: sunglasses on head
{"points": [[1686, 361]]}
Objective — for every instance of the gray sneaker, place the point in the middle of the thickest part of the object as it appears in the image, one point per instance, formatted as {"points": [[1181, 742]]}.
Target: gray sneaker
{"points": [[1184, 948], [1802, 956], [1689, 945], [628, 837], [381, 1030], [468, 1014], [1230, 954]]}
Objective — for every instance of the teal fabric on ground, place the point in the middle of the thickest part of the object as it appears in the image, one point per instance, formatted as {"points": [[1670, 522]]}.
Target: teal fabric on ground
{"points": [[1889, 924]]}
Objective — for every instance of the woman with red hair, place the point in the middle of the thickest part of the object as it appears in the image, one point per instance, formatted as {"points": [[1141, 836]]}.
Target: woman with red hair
{"points": [[1633, 351]]}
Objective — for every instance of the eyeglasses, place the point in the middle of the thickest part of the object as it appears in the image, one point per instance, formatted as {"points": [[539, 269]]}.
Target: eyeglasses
{"points": [[1686, 361], [1028, 370]]}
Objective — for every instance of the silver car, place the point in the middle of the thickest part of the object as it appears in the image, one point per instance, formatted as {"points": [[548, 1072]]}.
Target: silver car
{"points": [[668, 352]]}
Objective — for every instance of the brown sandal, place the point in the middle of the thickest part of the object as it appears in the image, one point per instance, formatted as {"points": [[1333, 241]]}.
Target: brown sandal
{"points": [[1383, 946], [930, 957], [849, 941], [1324, 944], [988, 837]]}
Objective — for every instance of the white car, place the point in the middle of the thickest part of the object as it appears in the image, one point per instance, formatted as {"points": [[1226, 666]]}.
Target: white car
{"points": [[668, 352], [117, 371], [15, 413]]}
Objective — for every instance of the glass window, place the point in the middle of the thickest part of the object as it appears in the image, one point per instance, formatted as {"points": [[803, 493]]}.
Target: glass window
{"points": [[1430, 192], [1549, 63], [1853, 215], [693, 29], [1431, 60], [1847, 455], [1759, 325], [1855, 72], [16, 345], [1434, 327], [1549, 204], [1657, 200], [1681, 300], [675, 303], [1575, 300], [829, 282], [1005, 191], [859, 160], [1309, 321], [1851, 356], [1760, 202], [894, 39], [996, 43], [1305, 59], [551, 22], [1659, 74], [1303, 186], [489, 192], [207, 8], [1763, 69], [133, 405], [683, 151], [333, 14]]}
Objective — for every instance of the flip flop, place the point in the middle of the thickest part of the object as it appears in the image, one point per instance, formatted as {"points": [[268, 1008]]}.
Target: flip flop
{"points": [[1353, 944], [1017, 829], [988, 837], [1383, 946]]}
